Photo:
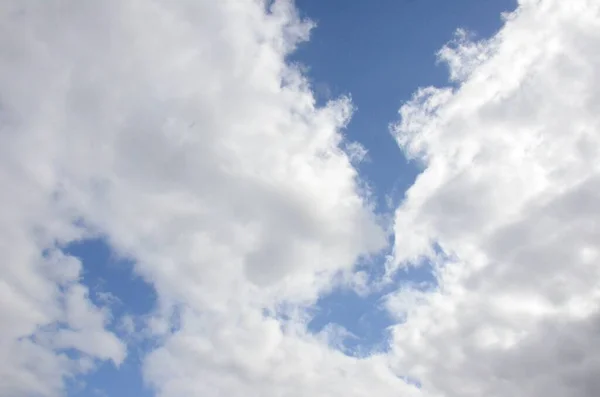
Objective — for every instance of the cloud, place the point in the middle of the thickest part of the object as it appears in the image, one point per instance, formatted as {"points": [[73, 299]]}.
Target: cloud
{"points": [[510, 194], [45, 313], [178, 133]]}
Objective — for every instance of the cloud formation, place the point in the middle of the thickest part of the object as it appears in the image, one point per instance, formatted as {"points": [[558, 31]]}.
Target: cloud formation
{"points": [[177, 132], [510, 193]]}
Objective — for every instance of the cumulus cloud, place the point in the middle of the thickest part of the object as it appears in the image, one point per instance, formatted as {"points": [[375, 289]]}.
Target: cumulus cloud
{"points": [[510, 193], [176, 131]]}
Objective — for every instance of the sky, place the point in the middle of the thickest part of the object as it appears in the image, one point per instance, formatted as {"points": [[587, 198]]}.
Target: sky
{"points": [[278, 198]]}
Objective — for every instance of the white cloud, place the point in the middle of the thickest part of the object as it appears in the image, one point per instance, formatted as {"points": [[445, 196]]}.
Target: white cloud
{"points": [[511, 191], [177, 131], [44, 311], [250, 356], [357, 152]]}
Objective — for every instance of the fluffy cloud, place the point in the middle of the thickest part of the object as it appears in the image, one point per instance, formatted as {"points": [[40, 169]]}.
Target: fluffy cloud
{"points": [[177, 132], [511, 193]]}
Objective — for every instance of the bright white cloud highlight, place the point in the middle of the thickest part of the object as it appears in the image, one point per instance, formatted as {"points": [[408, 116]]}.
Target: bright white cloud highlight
{"points": [[511, 192]]}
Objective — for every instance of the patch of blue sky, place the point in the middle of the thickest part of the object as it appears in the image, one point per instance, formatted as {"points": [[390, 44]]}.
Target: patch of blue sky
{"points": [[108, 380], [112, 282], [380, 52], [362, 315], [111, 279]]}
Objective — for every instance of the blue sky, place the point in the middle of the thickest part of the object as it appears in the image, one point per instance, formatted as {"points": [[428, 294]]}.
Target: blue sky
{"points": [[379, 53], [211, 198]]}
